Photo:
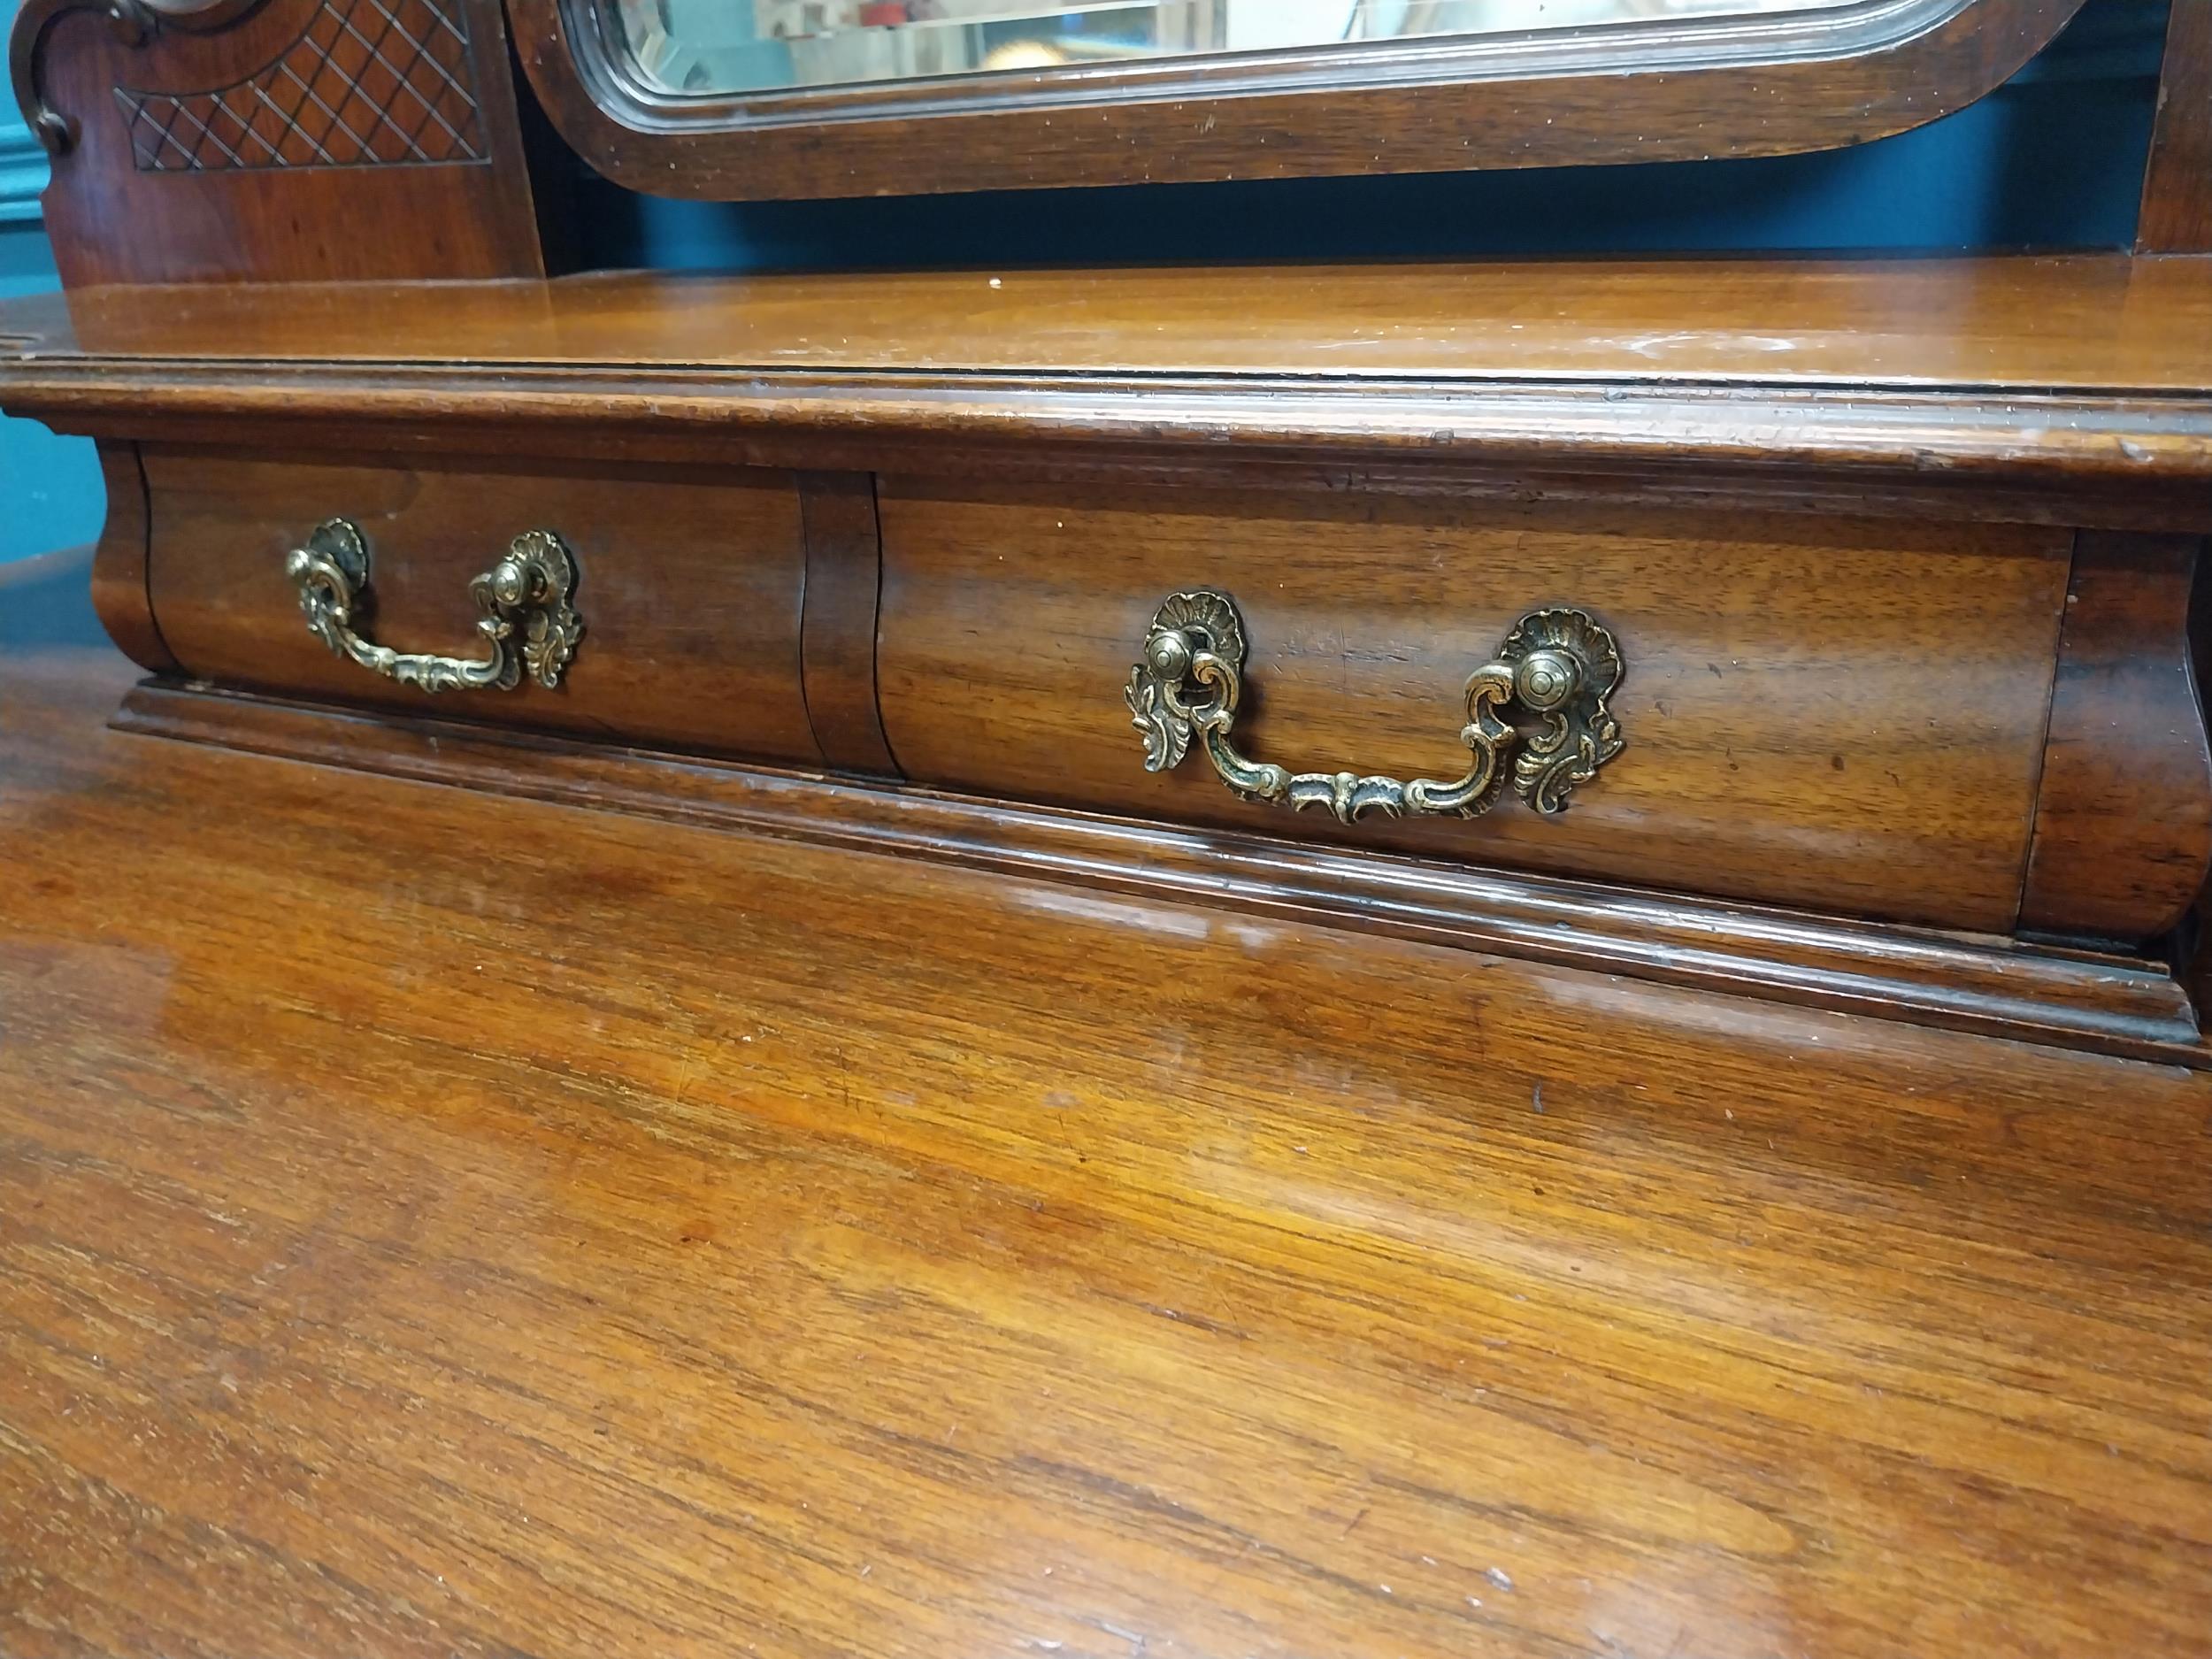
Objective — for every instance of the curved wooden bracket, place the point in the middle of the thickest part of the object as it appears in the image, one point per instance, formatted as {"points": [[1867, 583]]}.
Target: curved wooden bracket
{"points": [[26, 55], [122, 595], [135, 23], [2123, 816]]}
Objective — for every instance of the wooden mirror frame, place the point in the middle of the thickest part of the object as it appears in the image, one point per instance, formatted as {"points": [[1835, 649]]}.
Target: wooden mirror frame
{"points": [[1689, 89]]}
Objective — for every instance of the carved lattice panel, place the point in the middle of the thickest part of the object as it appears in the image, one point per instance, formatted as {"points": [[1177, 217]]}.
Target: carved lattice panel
{"points": [[371, 82]]}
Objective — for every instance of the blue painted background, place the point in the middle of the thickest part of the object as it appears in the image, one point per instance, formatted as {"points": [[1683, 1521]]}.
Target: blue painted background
{"points": [[49, 488], [2053, 159]]}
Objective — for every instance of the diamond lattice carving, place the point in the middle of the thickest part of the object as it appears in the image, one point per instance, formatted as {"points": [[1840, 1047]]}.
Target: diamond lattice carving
{"points": [[372, 83]]}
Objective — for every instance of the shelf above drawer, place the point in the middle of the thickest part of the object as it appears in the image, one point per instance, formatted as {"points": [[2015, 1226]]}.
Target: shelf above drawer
{"points": [[2068, 391]]}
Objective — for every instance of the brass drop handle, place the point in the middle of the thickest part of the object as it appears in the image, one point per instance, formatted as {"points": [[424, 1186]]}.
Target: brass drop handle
{"points": [[523, 601], [1557, 665]]}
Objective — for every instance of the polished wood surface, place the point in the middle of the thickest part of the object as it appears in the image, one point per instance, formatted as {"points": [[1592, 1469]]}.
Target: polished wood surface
{"points": [[1844, 715], [1768, 85], [2177, 214], [2082, 323], [844, 580], [690, 587], [2069, 392], [2124, 811], [351, 200], [2098, 1001], [437, 1224], [121, 593]]}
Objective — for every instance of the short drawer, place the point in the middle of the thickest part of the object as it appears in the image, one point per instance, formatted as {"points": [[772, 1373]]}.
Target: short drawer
{"points": [[1845, 715], [689, 584]]}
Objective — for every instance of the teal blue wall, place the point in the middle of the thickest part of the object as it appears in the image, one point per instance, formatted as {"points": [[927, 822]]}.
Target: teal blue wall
{"points": [[49, 488], [2053, 160]]}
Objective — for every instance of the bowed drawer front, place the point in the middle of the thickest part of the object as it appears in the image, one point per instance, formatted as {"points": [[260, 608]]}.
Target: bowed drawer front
{"points": [[1840, 714], [684, 609]]}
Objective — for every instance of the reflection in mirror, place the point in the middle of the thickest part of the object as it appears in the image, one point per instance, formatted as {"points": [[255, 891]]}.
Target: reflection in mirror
{"points": [[721, 47]]}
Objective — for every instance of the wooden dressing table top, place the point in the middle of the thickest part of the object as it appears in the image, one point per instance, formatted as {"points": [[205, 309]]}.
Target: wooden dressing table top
{"points": [[2065, 390], [432, 1223], [2082, 323]]}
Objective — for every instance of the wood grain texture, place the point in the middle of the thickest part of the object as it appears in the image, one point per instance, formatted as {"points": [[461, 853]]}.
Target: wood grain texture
{"points": [[120, 591], [2125, 1005], [394, 1262], [1843, 715], [113, 221], [2079, 323], [2066, 391], [844, 578], [2119, 464], [2124, 814], [1772, 87], [690, 587], [2177, 213]]}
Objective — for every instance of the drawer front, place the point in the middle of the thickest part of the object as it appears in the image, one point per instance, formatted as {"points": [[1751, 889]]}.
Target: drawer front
{"points": [[688, 587], [1836, 714]]}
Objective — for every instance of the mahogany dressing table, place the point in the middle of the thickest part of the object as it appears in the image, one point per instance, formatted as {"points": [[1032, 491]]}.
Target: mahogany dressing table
{"points": [[1793, 646]]}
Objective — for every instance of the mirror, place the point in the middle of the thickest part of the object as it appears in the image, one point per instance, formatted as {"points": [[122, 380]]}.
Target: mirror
{"points": [[783, 100], [720, 47]]}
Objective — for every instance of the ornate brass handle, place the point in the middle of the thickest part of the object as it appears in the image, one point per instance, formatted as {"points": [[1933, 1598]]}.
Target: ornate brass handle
{"points": [[525, 618], [1558, 665]]}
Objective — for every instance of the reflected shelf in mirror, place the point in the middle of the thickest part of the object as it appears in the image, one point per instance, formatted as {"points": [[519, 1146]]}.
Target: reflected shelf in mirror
{"points": [[717, 48]]}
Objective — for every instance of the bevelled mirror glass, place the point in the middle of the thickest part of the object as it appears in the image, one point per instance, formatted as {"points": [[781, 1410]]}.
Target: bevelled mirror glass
{"points": [[711, 48], [751, 100]]}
